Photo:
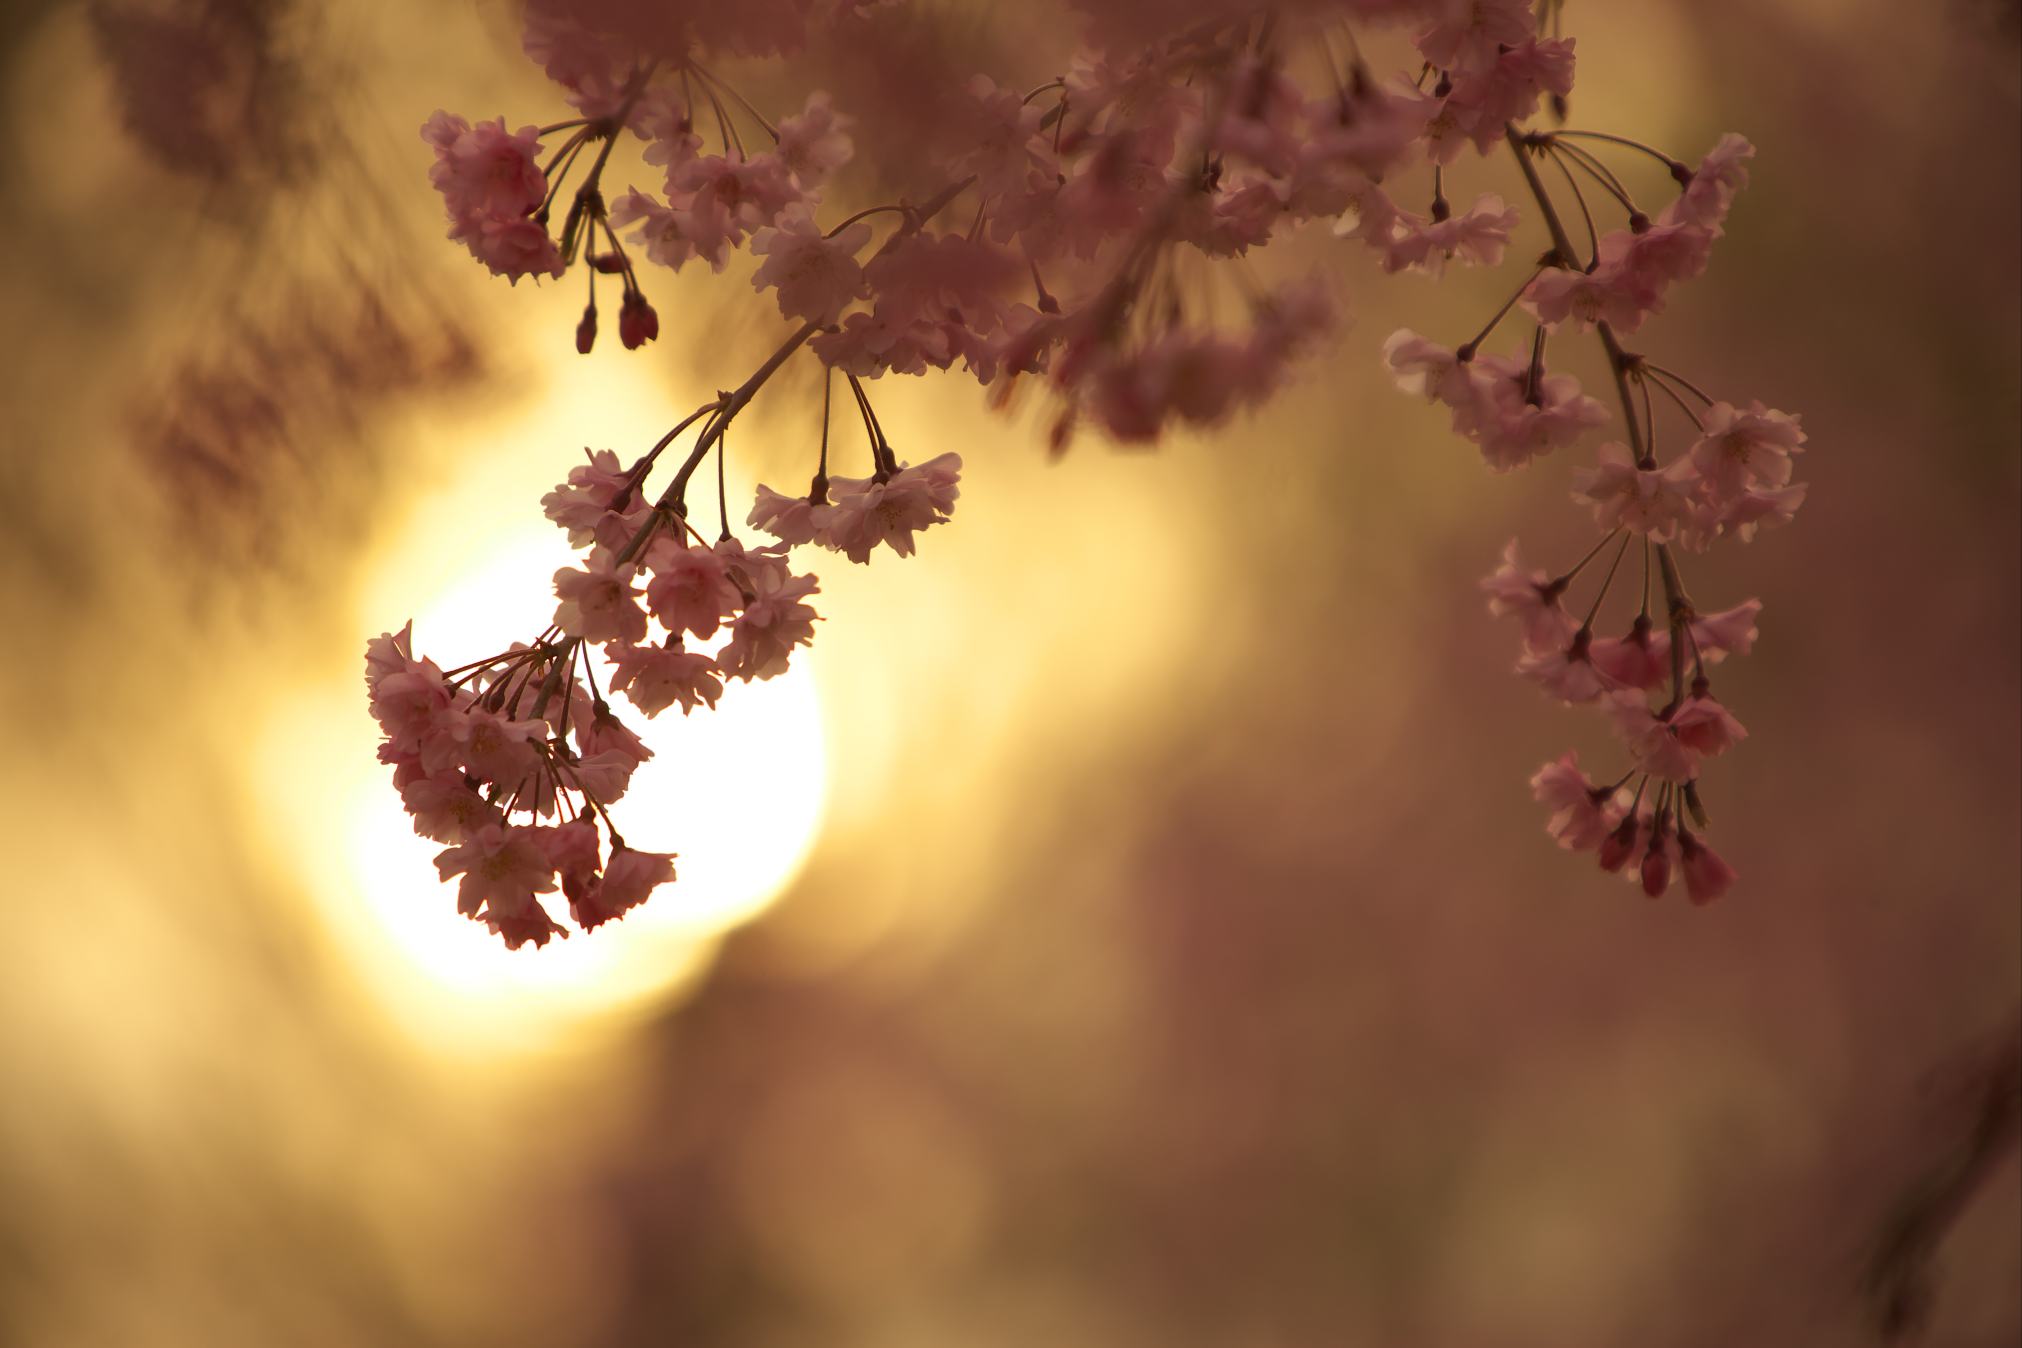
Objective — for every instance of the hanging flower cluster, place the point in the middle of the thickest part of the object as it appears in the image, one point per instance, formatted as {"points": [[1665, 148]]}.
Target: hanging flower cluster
{"points": [[1090, 235], [1732, 477]]}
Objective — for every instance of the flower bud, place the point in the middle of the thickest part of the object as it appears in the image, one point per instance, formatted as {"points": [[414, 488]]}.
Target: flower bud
{"points": [[1707, 876], [637, 323], [586, 331], [1618, 846], [1657, 868]]}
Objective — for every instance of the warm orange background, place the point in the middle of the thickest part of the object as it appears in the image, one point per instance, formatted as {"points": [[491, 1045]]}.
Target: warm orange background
{"points": [[1181, 960]]}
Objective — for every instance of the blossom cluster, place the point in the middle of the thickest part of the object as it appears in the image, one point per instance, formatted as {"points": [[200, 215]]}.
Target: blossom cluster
{"points": [[1090, 234], [1653, 682], [514, 735]]}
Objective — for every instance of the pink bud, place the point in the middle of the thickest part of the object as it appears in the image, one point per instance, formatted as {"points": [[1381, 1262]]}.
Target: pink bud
{"points": [[586, 331], [1707, 876], [637, 323], [1619, 846], [1657, 868]]}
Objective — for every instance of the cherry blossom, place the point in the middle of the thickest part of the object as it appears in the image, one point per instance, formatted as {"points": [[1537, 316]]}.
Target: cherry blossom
{"points": [[774, 621], [599, 601], [690, 590], [1529, 596], [656, 677], [629, 877], [1626, 495], [1582, 814], [890, 510], [814, 143], [502, 869], [1745, 448], [1577, 300], [589, 491], [1711, 188], [1565, 671], [815, 274]]}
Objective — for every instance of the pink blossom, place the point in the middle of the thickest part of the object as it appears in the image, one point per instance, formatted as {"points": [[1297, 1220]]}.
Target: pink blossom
{"points": [[412, 704], [629, 878], [689, 590], [771, 625], [1529, 596], [745, 566], [996, 127], [602, 732], [445, 808], [922, 276], [574, 851], [1562, 295], [656, 677], [1369, 215], [589, 491], [1712, 187], [513, 248], [1477, 236], [599, 601], [714, 203], [1705, 727], [1565, 671], [592, 66], [390, 653], [1647, 261], [870, 343], [1643, 658], [1649, 501], [1742, 515], [662, 116], [1756, 509], [790, 519], [1743, 448], [603, 776], [1507, 89], [483, 170], [1469, 34], [495, 748], [1651, 739], [1513, 422], [529, 922], [1639, 660], [1707, 876], [816, 275], [1420, 366], [1731, 631], [660, 230], [1583, 814], [814, 143], [502, 869], [867, 511]]}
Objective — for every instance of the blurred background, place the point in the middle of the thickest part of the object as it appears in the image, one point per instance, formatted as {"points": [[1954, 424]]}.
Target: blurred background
{"points": [[1131, 927]]}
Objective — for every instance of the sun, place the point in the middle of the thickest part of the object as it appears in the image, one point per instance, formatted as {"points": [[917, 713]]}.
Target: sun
{"points": [[737, 793]]}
